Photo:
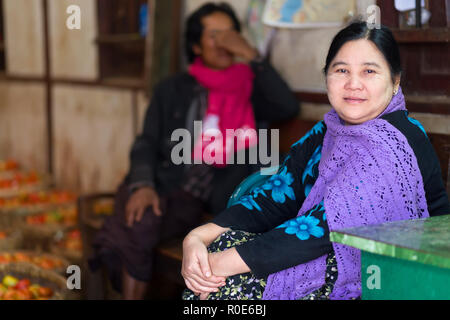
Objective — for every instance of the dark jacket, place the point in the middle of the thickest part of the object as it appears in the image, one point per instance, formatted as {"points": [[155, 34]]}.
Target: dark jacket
{"points": [[150, 155]]}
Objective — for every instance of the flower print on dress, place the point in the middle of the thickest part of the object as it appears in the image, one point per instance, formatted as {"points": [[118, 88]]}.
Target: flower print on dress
{"points": [[315, 158], [280, 186], [418, 124], [257, 191], [303, 227], [248, 202]]}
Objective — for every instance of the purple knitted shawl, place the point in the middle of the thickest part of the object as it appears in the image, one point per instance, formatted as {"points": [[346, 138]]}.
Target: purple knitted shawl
{"points": [[368, 174]]}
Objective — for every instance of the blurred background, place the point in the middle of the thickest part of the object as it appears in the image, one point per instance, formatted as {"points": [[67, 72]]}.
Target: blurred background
{"points": [[71, 101]]}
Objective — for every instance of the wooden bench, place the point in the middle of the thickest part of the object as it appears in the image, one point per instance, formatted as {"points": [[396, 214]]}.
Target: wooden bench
{"points": [[169, 255]]}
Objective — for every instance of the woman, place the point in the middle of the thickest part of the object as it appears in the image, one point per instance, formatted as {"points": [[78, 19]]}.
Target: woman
{"points": [[366, 163], [159, 199]]}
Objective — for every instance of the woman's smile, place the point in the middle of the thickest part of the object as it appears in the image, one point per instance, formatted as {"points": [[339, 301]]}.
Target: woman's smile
{"points": [[354, 100]]}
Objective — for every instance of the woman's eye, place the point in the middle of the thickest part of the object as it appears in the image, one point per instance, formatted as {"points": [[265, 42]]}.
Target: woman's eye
{"points": [[341, 71], [370, 71]]}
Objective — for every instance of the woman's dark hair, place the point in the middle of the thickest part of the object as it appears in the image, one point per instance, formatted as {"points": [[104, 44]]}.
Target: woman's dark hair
{"points": [[194, 26], [382, 37]]}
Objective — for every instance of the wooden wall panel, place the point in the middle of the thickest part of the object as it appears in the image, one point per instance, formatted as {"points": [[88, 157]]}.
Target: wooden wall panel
{"points": [[93, 133], [74, 52], [24, 37], [23, 124], [299, 54]]}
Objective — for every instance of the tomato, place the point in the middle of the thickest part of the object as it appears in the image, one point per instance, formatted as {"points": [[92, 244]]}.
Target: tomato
{"points": [[23, 294], [75, 234], [45, 292], [46, 264], [34, 290], [23, 284], [10, 294], [73, 244], [22, 257], [3, 289]]}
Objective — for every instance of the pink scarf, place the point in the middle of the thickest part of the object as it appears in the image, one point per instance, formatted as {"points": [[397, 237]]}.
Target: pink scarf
{"points": [[229, 107]]}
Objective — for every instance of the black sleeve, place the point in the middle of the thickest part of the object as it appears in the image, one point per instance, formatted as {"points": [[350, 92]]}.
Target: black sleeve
{"points": [[427, 159], [281, 196], [297, 241], [144, 150], [272, 98]]}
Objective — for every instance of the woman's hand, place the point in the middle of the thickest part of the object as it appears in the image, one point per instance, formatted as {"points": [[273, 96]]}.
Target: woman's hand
{"points": [[195, 268], [235, 43]]}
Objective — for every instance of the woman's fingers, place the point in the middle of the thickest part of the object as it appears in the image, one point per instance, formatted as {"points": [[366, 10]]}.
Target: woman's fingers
{"points": [[204, 265], [204, 296], [190, 286], [206, 283], [197, 288]]}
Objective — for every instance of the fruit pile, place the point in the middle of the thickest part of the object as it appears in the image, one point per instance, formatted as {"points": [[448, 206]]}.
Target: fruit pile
{"points": [[47, 263], [103, 208], [19, 180], [60, 216], [71, 241], [8, 165], [13, 288], [37, 198]]}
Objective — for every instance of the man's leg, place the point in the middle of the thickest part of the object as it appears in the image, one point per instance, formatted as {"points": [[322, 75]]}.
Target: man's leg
{"points": [[133, 289]]}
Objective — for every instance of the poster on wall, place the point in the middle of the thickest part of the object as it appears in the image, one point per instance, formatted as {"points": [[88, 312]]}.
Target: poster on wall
{"points": [[308, 13], [260, 34]]}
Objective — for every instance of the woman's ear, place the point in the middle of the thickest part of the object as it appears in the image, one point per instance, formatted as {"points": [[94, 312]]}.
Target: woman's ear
{"points": [[397, 80]]}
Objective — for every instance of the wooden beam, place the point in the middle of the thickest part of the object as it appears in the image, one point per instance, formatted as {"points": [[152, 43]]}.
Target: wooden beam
{"points": [[423, 104], [429, 35]]}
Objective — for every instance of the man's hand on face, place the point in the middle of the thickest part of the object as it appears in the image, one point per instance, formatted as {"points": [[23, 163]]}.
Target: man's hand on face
{"points": [[236, 44]]}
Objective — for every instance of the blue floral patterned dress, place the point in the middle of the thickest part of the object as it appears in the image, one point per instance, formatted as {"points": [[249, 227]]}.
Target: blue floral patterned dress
{"points": [[264, 223]]}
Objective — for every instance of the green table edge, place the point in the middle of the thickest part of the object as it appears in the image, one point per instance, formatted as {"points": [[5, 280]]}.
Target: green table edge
{"points": [[390, 250]]}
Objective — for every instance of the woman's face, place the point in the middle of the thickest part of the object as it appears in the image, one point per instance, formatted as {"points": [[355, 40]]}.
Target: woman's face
{"points": [[213, 56], [359, 82]]}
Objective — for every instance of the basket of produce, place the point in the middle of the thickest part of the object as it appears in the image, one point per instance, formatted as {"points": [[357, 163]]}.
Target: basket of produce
{"points": [[34, 202], [10, 239], [8, 168], [94, 208], [28, 282], [46, 224], [10, 221], [69, 245], [22, 183], [45, 261]]}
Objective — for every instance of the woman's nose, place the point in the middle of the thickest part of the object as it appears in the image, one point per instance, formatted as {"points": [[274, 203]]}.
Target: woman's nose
{"points": [[353, 83]]}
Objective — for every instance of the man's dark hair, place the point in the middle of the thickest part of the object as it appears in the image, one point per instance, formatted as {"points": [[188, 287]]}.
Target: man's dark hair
{"points": [[194, 26]]}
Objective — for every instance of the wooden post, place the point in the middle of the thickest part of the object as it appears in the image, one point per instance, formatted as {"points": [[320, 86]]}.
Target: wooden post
{"points": [[418, 14], [48, 87]]}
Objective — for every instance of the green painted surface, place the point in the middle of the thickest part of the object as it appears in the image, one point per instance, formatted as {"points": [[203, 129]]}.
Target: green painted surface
{"points": [[426, 241], [387, 278]]}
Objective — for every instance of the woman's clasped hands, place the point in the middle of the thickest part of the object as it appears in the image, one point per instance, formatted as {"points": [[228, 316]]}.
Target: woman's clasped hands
{"points": [[196, 268]]}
